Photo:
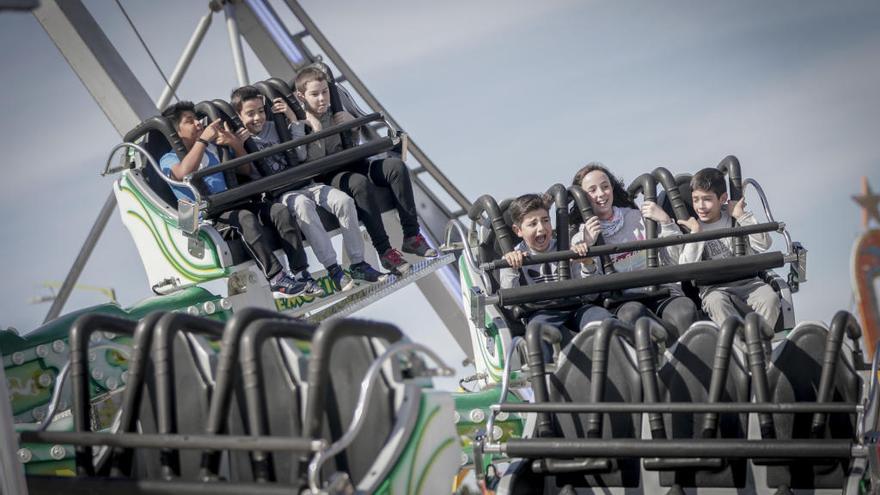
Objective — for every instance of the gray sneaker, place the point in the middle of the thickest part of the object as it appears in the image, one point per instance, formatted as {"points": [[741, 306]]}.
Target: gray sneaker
{"points": [[312, 287], [393, 261]]}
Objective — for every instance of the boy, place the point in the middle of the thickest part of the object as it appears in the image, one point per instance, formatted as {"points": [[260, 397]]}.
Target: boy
{"points": [[200, 145], [360, 181], [709, 193], [531, 222], [303, 200]]}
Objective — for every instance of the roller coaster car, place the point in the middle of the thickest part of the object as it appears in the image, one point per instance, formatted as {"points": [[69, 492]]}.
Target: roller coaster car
{"points": [[283, 405], [494, 323]]}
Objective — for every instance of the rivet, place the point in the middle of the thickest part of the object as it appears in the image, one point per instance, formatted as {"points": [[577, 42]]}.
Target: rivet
{"points": [[456, 417], [193, 310], [112, 383], [38, 413], [95, 337], [59, 346], [45, 380], [502, 416], [93, 356], [124, 376], [57, 452], [209, 307], [42, 350], [225, 304], [25, 456], [17, 358], [477, 415], [464, 459], [497, 432], [97, 374]]}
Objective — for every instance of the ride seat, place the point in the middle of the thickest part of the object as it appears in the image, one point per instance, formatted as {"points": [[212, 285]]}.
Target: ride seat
{"points": [[793, 376], [686, 377], [572, 382]]}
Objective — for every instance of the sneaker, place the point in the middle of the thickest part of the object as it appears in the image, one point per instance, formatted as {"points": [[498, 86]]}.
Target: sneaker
{"points": [[340, 279], [418, 246], [312, 287], [393, 261], [287, 286], [363, 271]]}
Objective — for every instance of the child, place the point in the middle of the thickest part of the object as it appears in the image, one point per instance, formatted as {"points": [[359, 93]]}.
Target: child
{"points": [[360, 181], [200, 145], [303, 200], [531, 222], [722, 300], [619, 220]]}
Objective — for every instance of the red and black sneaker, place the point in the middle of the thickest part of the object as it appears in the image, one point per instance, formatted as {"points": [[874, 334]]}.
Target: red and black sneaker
{"points": [[393, 261], [418, 246]]}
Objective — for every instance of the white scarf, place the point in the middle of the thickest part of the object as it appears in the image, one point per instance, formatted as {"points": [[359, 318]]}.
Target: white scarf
{"points": [[612, 226]]}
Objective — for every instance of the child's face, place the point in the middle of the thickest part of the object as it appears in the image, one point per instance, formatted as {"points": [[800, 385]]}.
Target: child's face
{"points": [[253, 115], [707, 205], [189, 127], [598, 188], [316, 97], [535, 229]]}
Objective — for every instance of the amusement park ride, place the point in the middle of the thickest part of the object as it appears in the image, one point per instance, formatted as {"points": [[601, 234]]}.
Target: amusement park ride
{"points": [[194, 392]]}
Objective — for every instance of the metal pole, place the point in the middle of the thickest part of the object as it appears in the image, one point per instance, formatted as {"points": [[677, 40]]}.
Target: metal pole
{"points": [[235, 44], [12, 480], [82, 258], [185, 58]]}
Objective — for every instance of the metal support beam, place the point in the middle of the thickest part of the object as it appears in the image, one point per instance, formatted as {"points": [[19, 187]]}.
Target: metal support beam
{"points": [[235, 44], [110, 82], [280, 53], [185, 58], [12, 480]]}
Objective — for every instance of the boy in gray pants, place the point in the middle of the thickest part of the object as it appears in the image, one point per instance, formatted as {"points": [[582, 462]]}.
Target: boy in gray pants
{"points": [[303, 199], [709, 194]]}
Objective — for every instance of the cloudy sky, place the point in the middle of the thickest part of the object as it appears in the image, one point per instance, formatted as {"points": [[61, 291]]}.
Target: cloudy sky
{"points": [[507, 97]]}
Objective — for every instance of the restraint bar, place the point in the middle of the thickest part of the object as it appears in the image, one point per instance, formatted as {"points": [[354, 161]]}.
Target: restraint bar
{"points": [[680, 407], [691, 447], [623, 247], [702, 272], [174, 441]]}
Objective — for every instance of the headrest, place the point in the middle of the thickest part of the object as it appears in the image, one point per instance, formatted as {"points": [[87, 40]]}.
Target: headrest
{"points": [[157, 136]]}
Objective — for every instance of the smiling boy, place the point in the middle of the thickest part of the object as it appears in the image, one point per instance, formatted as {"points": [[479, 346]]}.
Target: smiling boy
{"points": [[302, 201], [531, 222], [709, 195]]}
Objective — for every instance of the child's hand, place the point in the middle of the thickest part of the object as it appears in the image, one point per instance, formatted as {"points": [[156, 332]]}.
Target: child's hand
{"points": [[736, 208], [279, 106], [243, 134], [592, 228], [515, 259], [691, 224], [580, 248], [225, 137], [651, 211], [211, 132]]}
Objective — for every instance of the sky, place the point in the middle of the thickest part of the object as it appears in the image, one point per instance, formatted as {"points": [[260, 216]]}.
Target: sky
{"points": [[507, 97]]}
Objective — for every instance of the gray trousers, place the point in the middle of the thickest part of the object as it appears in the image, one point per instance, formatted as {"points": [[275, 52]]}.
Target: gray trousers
{"points": [[302, 204], [721, 301]]}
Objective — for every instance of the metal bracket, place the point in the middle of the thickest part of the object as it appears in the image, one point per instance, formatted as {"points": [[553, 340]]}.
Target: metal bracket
{"points": [[478, 307], [798, 273], [196, 247], [188, 217]]}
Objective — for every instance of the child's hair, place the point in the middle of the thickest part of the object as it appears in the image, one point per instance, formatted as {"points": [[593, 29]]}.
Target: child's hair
{"points": [[709, 179], [307, 75], [621, 197], [525, 204], [175, 111], [243, 94]]}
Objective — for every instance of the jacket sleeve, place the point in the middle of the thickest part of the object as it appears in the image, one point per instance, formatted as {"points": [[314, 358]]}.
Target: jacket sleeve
{"points": [[670, 254], [509, 278]]}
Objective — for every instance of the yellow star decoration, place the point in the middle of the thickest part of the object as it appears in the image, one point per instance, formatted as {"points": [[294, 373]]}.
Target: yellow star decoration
{"points": [[869, 203]]}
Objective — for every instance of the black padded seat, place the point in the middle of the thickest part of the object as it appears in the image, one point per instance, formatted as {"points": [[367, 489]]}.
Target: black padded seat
{"points": [[686, 377], [793, 376], [571, 382]]}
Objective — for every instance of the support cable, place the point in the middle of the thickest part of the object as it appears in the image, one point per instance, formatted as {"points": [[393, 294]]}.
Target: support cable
{"points": [[147, 49]]}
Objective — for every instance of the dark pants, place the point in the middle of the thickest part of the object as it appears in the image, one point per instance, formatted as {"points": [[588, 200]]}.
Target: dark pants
{"points": [[246, 221], [676, 313], [360, 183], [569, 322]]}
